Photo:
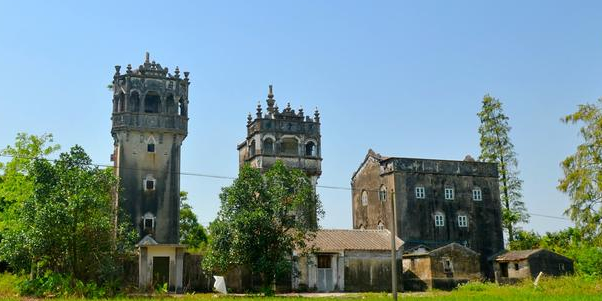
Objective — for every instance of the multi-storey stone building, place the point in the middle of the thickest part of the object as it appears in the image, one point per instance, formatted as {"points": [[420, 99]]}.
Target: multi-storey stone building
{"points": [[150, 122], [437, 202]]}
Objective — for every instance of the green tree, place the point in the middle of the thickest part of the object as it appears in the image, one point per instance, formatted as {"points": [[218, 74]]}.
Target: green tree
{"points": [[496, 147], [583, 171], [16, 185], [262, 219], [192, 233], [525, 240], [66, 224]]}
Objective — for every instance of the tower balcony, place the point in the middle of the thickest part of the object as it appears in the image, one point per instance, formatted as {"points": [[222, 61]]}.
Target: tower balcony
{"points": [[146, 121]]}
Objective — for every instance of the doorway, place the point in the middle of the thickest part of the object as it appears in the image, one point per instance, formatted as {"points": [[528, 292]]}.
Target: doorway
{"points": [[160, 270], [325, 283]]}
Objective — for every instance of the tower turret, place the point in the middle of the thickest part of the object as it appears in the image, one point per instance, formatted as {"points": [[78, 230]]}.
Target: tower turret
{"points": [[288, 136]]}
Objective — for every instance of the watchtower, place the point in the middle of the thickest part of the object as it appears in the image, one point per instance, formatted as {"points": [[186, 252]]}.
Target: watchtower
{"points": [[289, 136], [150, 119]]}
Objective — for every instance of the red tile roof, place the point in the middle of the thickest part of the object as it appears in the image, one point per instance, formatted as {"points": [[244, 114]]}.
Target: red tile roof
{"points": [[330, 240]]}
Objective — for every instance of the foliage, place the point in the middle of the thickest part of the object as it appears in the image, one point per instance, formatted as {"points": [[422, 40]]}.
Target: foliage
{"points": [[16, 185], [192, 233], [571, 243], [65, 228], [525, 240], [262, 219], [59, 285], [496, 147], [8, 284], [583, 171]]}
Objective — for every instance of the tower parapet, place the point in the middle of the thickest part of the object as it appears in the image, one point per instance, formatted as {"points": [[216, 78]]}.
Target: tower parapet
{"points": [[150, 98], [287, 135]]}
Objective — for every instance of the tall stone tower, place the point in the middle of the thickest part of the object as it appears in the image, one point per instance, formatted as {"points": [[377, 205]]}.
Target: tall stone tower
{"points": [[289, 136], [150, 119]]}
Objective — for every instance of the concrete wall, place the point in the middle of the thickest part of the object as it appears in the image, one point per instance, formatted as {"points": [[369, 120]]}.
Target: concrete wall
{"points": [[415, 217], [465, 266], [137, 165], [424, 271], [417, 273], [369, 271]]}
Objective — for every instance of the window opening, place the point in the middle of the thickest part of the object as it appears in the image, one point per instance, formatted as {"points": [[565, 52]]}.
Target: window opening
{"points": [[420, 192], [463, 221], [439, 220], [449, 193], [364, 198], [324, 261], [382, 193]]}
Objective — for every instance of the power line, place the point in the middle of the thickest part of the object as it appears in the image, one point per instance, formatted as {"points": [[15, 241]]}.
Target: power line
{"points": [[203, 175]]}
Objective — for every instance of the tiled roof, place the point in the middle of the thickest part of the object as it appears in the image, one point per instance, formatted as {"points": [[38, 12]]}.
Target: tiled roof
{"points": [[516, 255], [368, 240]]}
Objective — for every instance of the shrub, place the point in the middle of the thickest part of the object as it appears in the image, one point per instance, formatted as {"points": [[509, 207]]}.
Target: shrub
{"points": [[60, 285]]}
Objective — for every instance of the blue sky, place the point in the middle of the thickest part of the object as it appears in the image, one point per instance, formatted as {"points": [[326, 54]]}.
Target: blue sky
{"points": [[403, 78]]}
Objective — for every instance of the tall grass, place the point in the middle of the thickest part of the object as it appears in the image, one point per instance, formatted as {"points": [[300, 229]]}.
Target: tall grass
{"points": [[549, 289]]}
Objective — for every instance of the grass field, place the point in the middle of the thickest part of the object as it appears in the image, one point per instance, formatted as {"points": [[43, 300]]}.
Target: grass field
{"points": [[560, 289]]}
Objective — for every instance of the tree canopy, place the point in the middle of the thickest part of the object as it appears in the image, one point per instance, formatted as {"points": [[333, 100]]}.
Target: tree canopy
{"points": [[16, 185], [262, 219], [496, 147], [65, 224], [192, 233], [583, 171]]}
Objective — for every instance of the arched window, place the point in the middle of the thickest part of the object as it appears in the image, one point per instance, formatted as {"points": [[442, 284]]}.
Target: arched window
{"points": [[149, 183], [310, 149], [121, 102], [477, 194], [134, 105], [172, 106], [183, 109], [439, 219], [252, 148], [290, 146], [364, 198], [462, 221], [148, 221], [382, 193], [152, 102], [361, 227], [268, 146], [449, 192], [380, 225]]}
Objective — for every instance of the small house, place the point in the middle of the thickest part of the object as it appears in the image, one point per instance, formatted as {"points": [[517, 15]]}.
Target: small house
{"points": [[442, 268], [513, 266], [347, 260]]}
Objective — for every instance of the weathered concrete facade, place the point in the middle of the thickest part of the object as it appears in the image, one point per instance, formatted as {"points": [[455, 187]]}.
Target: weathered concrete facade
{"points": [[150, 120], [514, 266], [347, 260], [437, 202], [442, 268]]}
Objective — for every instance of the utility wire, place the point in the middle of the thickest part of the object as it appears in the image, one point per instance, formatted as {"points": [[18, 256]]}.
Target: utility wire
{"points": [[194, 174]]}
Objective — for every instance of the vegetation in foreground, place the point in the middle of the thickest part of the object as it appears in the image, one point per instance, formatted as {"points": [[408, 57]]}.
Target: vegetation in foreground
{"points": [[562, 288]]}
